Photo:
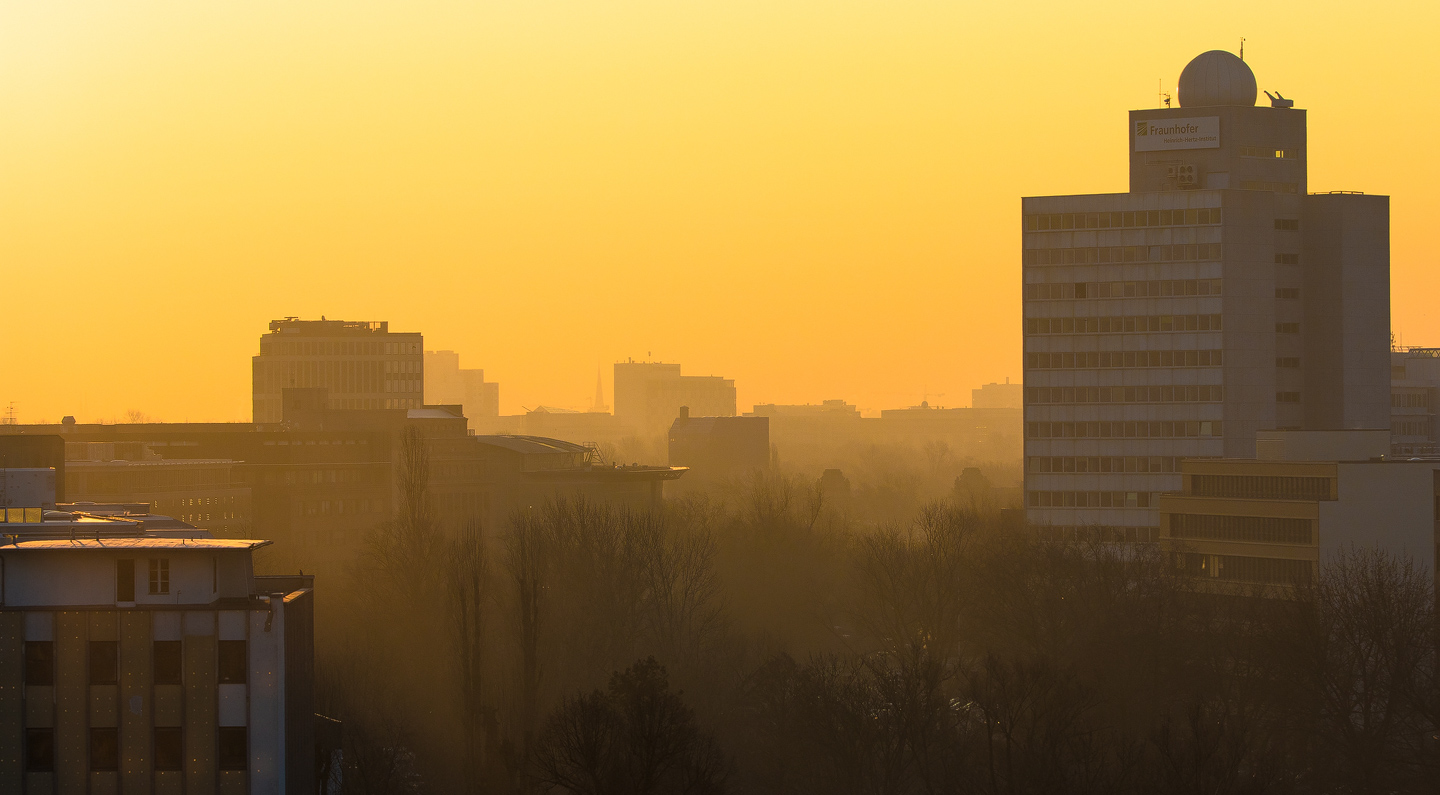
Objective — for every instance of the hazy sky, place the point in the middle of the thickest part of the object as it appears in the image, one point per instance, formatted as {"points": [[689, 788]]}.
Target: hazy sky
{"points": [[818, 199]]}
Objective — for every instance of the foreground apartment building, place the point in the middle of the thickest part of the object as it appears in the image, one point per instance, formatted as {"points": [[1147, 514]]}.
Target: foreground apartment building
{"points": [[142, 661], [1216, 299]]}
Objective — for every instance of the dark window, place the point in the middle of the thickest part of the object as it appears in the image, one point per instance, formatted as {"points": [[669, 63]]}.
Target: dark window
{"points": [[39, 662], [104, 749], [234, 755], [1287, 223], [124, 580], [233, 663], [167, 662], [168, 749], [39, 750], [104, 662]]}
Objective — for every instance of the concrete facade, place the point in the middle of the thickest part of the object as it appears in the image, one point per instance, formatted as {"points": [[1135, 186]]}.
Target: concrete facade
{"points": [[139, 664]]}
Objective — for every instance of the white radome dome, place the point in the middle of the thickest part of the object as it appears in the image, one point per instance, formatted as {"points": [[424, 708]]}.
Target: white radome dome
{"points": [[1215, 78]]}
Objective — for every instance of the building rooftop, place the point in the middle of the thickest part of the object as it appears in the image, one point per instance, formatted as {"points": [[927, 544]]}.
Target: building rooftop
{"points": [[136, 542], [531, 445]]}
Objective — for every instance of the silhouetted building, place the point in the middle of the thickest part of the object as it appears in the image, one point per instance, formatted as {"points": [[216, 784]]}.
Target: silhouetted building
{"points": [[716, 447], [324, 477], [363, 365], [201, 492], [525, 471], [826, 409], [998, 396], [1216, 299], [648, 395], [447, 383], [1414, 391], [966, 426], [1272, 519], [42, 451], [135, 660]]}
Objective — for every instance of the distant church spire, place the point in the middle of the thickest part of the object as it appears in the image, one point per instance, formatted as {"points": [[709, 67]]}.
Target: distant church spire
{"points": [[599, 404]]}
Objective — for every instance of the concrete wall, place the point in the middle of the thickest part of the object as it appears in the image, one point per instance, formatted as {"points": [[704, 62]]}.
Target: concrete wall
{"points": [[1346, 260], [1389, 505], [86, 577]]}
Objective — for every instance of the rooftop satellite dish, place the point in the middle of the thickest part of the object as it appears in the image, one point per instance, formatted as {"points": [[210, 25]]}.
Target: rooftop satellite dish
{"points": [[1278, 101]]}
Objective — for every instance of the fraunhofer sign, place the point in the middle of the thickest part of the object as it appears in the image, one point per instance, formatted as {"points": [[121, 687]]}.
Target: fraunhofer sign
{"points": [[1157, 135]]}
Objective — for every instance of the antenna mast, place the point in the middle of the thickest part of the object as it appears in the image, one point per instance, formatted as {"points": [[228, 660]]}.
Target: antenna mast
{"points": [[1242, 48]]}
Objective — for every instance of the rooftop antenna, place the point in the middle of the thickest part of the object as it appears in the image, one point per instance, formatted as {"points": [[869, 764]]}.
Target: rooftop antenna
{"points": [[1242, 48]]}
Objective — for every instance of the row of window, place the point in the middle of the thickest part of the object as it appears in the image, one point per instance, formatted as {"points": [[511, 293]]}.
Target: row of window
{"points": [[1410, 428], [1100, 255], [1262, 529], [1089, 499], [1287, 362], [1287, 292], [1089, 360], [1287, 328], [232, 750], [104, 662], [1130, 463], [1122, 325], [1287, 259], [1261, 487], [1161, 288], [1190, 393], [337, 507], [1241, 568], [338, 348], [1287, 397], [1286, 224], [159, 579], [1410, 400], [1272, 187], [1265, 151], [1122, 220], [1100, 533], [1167, 429]]}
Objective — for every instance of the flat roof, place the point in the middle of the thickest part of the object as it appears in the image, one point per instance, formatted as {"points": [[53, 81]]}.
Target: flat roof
{"points": [[139, 543]]}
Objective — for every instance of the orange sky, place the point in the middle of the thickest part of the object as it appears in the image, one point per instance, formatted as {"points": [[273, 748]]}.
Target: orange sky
{"points": [[818, 199]]}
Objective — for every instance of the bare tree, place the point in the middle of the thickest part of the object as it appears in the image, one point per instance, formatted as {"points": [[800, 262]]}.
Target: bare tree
{"points": [[527, 564], [635, 738], [468, 589]]}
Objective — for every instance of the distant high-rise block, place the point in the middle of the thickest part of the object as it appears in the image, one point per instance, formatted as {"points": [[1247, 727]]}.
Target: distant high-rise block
{"points": [[447, 383], [364, 365], [1216, 299], [648, 395]]}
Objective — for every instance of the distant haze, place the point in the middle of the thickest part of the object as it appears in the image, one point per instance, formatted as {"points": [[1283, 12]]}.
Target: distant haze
{"points": [[817, 200]]}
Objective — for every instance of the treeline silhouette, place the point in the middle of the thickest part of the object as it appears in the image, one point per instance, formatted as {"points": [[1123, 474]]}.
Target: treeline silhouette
{"points": [[762, 644]]}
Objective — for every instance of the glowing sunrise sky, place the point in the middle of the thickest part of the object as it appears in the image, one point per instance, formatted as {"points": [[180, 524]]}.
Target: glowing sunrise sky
{"points": [[817, 199]]}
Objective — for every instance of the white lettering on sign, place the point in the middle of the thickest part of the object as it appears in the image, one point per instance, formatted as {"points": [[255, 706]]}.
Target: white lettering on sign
{"points": [[1158, 135]]}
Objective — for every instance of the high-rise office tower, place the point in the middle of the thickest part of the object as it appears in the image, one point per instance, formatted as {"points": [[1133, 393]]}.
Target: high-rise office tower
{"points": [[1216, 299], [364, 365]]}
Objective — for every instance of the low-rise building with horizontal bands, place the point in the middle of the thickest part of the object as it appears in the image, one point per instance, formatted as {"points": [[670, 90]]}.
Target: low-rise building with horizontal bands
{"points": [[1273, 520]]}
